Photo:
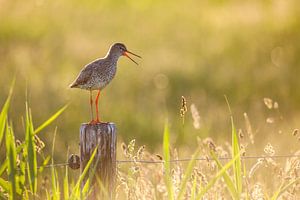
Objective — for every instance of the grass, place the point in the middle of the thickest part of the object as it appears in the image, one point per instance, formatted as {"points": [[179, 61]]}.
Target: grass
{"points": [[228, 181], [167, 167], [171, 180]]}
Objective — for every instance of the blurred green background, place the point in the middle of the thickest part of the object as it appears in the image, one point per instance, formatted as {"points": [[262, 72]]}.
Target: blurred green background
{"points": [[203, 50]]}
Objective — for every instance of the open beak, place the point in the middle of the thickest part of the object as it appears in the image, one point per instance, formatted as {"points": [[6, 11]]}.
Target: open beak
{"points": [[128, 52]]}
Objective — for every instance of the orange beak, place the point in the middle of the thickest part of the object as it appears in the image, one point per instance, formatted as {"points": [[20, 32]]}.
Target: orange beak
{"points": [[126, 54]]}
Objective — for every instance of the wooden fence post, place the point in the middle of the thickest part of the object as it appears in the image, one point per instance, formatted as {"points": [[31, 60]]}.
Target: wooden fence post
{"points": [[103, 136]]}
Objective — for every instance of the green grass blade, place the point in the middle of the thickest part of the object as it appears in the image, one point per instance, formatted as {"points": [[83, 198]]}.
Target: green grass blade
{"points": [[76, 189], [229, 183], [3, 167], [23, 164], [66, 182], [45, 162], [4, 111], [57, 192], [54, 181], [277, 192], [51, 119], [4, 184], [25, 194], [3, 196], [55, 184], [217, 177], [193, 191], [282, 189], [11, 157], [21, 147], [187, 174], [167, 167], [237, 167], [85, 189], [31, 152], [22, 171], [66, 185]]}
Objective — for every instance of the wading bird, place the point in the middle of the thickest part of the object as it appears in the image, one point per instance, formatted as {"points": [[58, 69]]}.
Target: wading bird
{"points": [[99, 73]]}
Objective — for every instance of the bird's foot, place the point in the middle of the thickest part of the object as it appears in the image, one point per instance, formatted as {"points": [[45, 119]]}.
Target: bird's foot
{"points": [[94, 122]]}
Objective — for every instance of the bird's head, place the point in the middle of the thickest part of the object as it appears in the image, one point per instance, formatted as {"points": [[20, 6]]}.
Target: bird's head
{"points": [[119, 49]]}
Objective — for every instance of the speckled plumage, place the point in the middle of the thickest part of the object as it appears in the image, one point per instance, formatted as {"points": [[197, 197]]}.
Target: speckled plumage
{"points": [[99, 73]]}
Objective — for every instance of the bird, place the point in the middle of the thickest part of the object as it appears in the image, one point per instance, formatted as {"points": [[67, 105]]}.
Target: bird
{"points": [[99, 73]]}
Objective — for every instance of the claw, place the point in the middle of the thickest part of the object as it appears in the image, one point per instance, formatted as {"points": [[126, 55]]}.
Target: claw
{"points": [[93, 122]]}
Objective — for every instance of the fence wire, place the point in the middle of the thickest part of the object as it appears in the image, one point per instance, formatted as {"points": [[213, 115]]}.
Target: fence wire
{"points": [[181, 160]]}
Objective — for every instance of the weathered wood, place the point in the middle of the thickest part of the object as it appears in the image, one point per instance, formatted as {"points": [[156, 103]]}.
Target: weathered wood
{"points": [[104, 136]]}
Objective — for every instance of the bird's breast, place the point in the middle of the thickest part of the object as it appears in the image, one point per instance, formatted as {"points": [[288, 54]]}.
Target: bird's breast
{"points": [[103, 77]]}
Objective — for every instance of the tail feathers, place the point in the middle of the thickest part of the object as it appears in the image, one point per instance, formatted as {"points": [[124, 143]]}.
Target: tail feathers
{"points": [[73, 85]]}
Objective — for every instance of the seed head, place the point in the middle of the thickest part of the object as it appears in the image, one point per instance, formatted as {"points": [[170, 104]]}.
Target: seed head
{"points": [[295, 132], [183, 108], [268, 102], [269, 150]]}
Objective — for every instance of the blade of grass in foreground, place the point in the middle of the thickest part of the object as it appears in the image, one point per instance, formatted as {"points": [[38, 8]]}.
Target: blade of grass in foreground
{"points": [[76, 190], [66, 180], [193, 192], [11, 157], [187, 174], [237, 167], [4, 111], [45, 162], [54, 177], [87, 188], [167, 167], [4, 184], [31, 153], [51, 119], [219, 174], [226, 177], [282, 189], [85, 191], [3, 167]]}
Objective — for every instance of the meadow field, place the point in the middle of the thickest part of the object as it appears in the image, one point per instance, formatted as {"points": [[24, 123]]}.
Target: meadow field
{"points": [[204, 51]]}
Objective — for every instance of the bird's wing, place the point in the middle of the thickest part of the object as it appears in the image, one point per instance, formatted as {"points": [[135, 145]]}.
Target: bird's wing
{"points": [[84, 75]]}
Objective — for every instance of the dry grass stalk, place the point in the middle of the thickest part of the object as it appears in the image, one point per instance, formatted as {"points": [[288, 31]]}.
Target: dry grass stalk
{"points": [[257, 192], [275, 105], [249, 128], [146, 181], [195, 116], [268, 102], [210, 144], [255, 167]]}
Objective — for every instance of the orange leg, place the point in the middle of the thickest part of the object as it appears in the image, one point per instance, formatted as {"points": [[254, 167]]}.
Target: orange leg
{"points": [[91, 104], [97, 110]]}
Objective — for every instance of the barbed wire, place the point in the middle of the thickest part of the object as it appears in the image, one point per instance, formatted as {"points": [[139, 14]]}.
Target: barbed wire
{"points": [[176, 160], [54, 165], [205, 158]]}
